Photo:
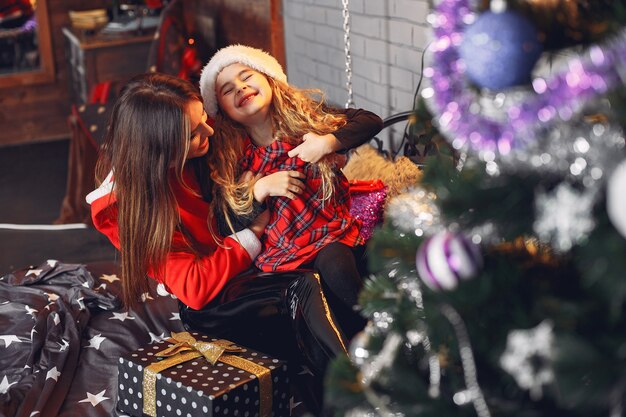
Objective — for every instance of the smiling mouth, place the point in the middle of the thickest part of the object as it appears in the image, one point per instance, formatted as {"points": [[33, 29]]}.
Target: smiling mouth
{"points": [[245, 99]]}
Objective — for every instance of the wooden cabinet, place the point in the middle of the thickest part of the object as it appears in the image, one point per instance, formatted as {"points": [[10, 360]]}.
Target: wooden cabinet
{"points": [[97, 58]]}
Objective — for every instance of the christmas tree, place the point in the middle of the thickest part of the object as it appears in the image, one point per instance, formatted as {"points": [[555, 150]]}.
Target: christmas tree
{"points": [[498, 282]]}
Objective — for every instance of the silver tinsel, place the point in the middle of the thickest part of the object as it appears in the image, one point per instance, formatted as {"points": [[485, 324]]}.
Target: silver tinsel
{"points": [[414, 212], [564, 216], [527, 357], [581, 151]]}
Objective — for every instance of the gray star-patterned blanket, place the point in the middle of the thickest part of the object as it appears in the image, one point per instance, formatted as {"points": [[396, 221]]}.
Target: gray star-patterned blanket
{"points": [[62, 330]]}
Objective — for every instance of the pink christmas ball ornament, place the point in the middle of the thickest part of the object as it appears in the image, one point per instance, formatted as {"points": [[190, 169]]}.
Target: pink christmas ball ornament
{"points": [[446, 258]]}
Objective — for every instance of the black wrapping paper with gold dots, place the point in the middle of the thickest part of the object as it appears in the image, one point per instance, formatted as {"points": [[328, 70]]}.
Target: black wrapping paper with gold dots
{"points": [[246, 383]]}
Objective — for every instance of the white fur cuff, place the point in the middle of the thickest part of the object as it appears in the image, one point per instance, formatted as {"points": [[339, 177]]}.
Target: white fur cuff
{"points": [[249, 241]]}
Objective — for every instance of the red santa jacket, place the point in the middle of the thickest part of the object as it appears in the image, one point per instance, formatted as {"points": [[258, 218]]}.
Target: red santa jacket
{"points": [[194, 278]]}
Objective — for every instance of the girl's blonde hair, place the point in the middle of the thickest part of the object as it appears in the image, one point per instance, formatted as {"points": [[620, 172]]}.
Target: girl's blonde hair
{"points": [[294, 112]]}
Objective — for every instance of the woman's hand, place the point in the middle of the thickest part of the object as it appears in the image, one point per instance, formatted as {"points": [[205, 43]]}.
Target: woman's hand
{"points": [[315, 147], [279, 184], [259, 223]]}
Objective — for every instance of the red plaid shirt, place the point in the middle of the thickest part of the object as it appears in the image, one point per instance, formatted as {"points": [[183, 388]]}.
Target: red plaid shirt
{"points": [[299, 228]]}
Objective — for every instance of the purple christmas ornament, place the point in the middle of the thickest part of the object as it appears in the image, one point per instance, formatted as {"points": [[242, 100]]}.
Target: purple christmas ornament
{"points": [[446, 258], [499, 50]]}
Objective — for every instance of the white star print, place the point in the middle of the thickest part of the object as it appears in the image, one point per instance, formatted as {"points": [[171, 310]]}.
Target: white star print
{"points": [[5, 385], [56, 319], [35, 272], [32, 333], [52, 262], [80, 302], [163, 292], [156, 338], [305, 371], [293, 404], [30, 310], [85, 284], [102, 286], [146, 296], [121, 316], [63, 346], [175, 316], [52, 296], [96, 341], [111, 278], [53, 373], [95, 399], [10, 338]]}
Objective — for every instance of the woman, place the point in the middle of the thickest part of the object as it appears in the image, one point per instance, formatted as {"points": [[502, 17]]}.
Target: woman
{"points": [[154, 205], [264, 125]]}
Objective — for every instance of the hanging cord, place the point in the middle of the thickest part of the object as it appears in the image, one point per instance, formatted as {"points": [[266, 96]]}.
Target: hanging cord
{"points": [[346, 40], [405, 135]]}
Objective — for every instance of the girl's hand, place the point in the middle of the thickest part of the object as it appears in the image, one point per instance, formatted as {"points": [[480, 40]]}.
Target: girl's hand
{"points": [[279, 184], [315, 147], [259, 223]]}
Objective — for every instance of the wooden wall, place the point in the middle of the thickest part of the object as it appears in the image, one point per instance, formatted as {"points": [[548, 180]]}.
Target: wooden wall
{"points": [[39, 112], [257, 23]]}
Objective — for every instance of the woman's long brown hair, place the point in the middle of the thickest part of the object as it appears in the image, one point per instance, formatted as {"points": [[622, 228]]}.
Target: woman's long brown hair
{"points": [[294, 113], [147, 142]]}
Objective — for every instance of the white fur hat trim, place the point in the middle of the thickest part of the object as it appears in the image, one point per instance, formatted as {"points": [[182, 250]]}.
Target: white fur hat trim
{"points": [[254, 58]]}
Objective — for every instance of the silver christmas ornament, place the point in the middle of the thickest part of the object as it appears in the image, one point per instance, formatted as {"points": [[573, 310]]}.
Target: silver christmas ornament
{"points": [[616, 198], [358, 350], [414, 212]]}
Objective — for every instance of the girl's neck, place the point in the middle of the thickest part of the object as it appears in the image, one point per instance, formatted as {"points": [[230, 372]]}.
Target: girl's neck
{"points": [[262, 134]]}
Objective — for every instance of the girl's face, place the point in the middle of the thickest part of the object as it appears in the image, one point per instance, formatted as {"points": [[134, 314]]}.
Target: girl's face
{"points": [[200, 130], [243, 94]]}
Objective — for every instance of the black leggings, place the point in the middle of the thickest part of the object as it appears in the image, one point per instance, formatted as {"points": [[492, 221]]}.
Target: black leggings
{"points": [[342, 269]]}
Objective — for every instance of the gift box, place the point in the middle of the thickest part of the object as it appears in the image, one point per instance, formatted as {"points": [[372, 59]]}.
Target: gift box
{"points": [[193, 374]]}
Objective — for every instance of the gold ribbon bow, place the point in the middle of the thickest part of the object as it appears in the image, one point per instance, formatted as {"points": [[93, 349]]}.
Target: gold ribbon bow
{"points": [[185, 347]]}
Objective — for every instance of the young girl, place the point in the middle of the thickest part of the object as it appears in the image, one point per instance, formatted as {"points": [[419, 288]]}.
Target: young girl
{"points": [[154, 207], [264, 126]]}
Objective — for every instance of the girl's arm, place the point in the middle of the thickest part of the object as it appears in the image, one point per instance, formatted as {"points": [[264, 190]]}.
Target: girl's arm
{"points": [[282, 183], [238, 222], [361, 126]]}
